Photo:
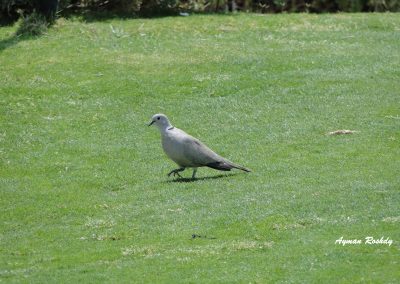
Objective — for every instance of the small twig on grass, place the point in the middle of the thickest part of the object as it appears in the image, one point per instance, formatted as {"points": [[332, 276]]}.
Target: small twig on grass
{"points": [[343, 131], [194, 236], [391, 116]]}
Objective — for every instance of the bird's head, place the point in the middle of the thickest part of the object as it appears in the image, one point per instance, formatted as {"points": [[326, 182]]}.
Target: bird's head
{"points": [[160, 120]]}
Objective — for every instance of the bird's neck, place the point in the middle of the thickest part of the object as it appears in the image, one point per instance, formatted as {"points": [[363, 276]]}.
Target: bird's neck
{"points": [[165, 128]]}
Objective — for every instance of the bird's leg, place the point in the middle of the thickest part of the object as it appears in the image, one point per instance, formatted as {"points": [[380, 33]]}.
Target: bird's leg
{"points": [[176, 172], [194, 173]]}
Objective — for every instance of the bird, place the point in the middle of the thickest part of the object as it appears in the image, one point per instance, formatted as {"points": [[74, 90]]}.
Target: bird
{"points": [[187, 151]]}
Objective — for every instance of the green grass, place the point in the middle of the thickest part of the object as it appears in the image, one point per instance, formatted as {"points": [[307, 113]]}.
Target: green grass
{"points": [[84, 191]]}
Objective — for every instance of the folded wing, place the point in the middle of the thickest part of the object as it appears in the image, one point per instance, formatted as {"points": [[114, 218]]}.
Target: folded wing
{"points": [[200, 155]]}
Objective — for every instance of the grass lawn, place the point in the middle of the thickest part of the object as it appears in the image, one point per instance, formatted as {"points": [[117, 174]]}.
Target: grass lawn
{"points": [[84, 191]]}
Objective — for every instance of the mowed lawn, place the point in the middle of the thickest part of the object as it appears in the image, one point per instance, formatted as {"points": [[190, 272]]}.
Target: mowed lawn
{"points": [[84, 191]]}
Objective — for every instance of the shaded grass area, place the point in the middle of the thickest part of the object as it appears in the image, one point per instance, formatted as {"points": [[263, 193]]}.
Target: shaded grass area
{"points": [[85, 195]]}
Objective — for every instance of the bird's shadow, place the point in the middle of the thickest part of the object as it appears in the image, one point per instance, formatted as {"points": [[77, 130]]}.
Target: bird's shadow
{"points": [[187, 180]]}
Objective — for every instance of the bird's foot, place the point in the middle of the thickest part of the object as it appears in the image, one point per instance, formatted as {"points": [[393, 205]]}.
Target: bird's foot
{"points": [[176, 172]]}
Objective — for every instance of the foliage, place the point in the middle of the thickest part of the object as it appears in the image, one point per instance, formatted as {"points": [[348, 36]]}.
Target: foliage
{"points": [[122, 6], [11, 9], [33, 25], [384, 5], [159, 7], [320, 6]]}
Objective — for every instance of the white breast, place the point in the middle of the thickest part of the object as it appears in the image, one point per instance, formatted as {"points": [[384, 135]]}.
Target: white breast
{"points": [[172, 143]]}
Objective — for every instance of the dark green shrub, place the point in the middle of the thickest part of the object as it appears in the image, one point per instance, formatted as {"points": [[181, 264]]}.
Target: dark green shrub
{"points": [[115, 6], [33, 25], [126, 6], [159, 7], [47, 8], [11, 10], [352, 6], [384, 5], [323, 6]]}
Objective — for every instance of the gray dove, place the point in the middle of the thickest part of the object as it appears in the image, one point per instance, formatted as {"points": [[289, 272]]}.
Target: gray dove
{"points": [[187, 151]]}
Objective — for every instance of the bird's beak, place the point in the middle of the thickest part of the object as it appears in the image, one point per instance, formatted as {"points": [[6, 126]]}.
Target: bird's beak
{"points": [[151, 122]]}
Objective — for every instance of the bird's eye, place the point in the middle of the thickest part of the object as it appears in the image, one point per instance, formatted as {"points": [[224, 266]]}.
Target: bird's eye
{"points": [[158, 118]]}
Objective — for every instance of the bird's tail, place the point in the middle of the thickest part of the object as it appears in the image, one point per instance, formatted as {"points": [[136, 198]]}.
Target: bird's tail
{"points": [[226, 166]]}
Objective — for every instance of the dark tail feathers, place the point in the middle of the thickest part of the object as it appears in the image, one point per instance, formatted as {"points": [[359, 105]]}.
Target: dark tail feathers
{"points": [[226, 166]]}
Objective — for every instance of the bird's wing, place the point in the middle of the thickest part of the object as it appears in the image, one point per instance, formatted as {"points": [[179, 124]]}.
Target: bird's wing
{"points": [[198, 153]]}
